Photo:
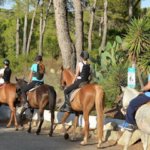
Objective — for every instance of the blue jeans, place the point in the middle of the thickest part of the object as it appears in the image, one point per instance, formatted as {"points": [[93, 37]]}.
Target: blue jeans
{"points": [[133, 106]]}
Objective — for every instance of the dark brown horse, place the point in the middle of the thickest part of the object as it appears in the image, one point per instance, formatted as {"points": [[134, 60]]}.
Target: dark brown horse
{"points": [[40, 98], [88, 98], [8, 97]]}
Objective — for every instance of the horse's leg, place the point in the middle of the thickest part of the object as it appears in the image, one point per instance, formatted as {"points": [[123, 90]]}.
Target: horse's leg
{"points": [[9, 124], [52, 122], [75, 125], [41, 121], [31, 115], [86, 120], [128, 140], [20, 116], [66, 115], [13, 113], [145, 141]]}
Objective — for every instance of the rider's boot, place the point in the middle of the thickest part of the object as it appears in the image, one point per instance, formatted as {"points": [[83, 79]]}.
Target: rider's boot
{"points": [[66, 106]]}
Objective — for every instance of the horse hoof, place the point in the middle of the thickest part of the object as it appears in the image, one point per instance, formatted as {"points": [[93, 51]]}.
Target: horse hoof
{"points": [[83, 143], [22, 129], [66, 136], [50, 135], [73, 139], [16, 129], [37, 133], [98, 146], [7, 126], [28, 131]]}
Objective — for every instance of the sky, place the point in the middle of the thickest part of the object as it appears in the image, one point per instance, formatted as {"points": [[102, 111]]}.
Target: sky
{"points": [[145, 3]]}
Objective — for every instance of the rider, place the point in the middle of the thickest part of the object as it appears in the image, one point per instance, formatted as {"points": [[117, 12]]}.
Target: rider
{"points": [[36, 77], [84, 70], [5, 73], [134, 104]]}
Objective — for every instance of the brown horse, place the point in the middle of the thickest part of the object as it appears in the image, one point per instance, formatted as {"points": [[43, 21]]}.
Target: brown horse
{"points": [[8, 97], [88, 98], [39, 99]]}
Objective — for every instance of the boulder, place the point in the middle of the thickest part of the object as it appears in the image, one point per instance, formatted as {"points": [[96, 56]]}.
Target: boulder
{"points": [[111, 135], [110, 126], [135, 137]]}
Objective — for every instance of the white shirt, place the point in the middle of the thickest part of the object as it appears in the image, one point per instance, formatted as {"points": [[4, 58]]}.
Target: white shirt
{"points": [[2, 73], [81, 66]]}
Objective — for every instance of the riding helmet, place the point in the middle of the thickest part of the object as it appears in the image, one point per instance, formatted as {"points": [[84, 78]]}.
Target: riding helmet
{"points": [[6, 62], [38, 58], [84, 55]]}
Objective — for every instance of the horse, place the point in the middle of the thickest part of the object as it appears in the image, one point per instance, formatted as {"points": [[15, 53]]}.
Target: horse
{"points": [[39, 98], [90, 97], [8, 97], [141, 116]]}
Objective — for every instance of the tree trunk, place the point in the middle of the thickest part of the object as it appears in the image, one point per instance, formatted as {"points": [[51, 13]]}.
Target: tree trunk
{"points": [[41, 26], [25, 29], [31, 28], [91, 26], [79, 28], [17, 37], [64, 39], [101, 25], [140, 77], [43, 30], [139, 73], [103, 44], [130, 8]]}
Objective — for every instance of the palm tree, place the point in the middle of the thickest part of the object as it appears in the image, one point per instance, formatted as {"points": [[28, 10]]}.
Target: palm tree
{"points": [[138, 39]]}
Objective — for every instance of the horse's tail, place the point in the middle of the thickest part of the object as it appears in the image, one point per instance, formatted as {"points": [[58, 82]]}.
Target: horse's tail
{"points": [[99, 104], [52, 98], [52, 103]]}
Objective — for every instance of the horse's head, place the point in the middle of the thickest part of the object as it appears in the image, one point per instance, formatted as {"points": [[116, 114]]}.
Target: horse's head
{"points": [[66, 78], [128, 94], [21, 83]]}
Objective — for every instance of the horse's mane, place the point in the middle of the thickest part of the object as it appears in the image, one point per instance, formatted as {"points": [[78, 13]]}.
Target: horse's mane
{"points": [[72, 75], [132, 89]]}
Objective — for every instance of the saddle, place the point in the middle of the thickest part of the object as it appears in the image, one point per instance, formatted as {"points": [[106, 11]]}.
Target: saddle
{"points": [[74, 92], [4, 84], [36, 86]]}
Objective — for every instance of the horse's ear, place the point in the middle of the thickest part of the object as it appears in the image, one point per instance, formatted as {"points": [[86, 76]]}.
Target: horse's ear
{"points": [[122, 88], [69, 68], [23, 78], [16, 78], [62, 68]]}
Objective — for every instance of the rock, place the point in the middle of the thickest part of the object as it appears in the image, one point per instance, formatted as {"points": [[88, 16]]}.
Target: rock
{"points": [[135, 137], [110, 126], [79, 130], [111, 135], [59, 127], [34, 123]]}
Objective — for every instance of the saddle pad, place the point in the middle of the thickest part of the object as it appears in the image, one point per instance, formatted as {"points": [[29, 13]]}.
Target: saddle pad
{"points": [[34, 88], [2, 86], [73, 94]]}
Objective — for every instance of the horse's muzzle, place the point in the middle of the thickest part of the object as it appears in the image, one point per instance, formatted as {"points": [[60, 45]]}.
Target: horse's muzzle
{"points": [[61, 87]]}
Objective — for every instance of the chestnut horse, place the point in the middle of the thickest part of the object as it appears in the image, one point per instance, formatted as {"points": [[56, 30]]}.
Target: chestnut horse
{"points": [[8, 97], [89, 97], [38, 99]]}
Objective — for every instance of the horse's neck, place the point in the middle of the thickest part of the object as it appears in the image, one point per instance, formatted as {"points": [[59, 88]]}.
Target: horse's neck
{"points": [[69, 78], [129, 94]]}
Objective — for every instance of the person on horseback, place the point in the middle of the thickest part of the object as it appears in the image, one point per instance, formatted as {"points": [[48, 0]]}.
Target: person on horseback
{"points": [[35, 78], [5, 73], [84, 70], [134, 105]]}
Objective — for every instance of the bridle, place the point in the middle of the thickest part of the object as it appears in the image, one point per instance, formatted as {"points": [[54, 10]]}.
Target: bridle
{"points": [[61, 77]]}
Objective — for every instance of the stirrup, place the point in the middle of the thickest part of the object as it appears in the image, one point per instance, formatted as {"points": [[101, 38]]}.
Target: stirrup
{"points": [[67, 108]]}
